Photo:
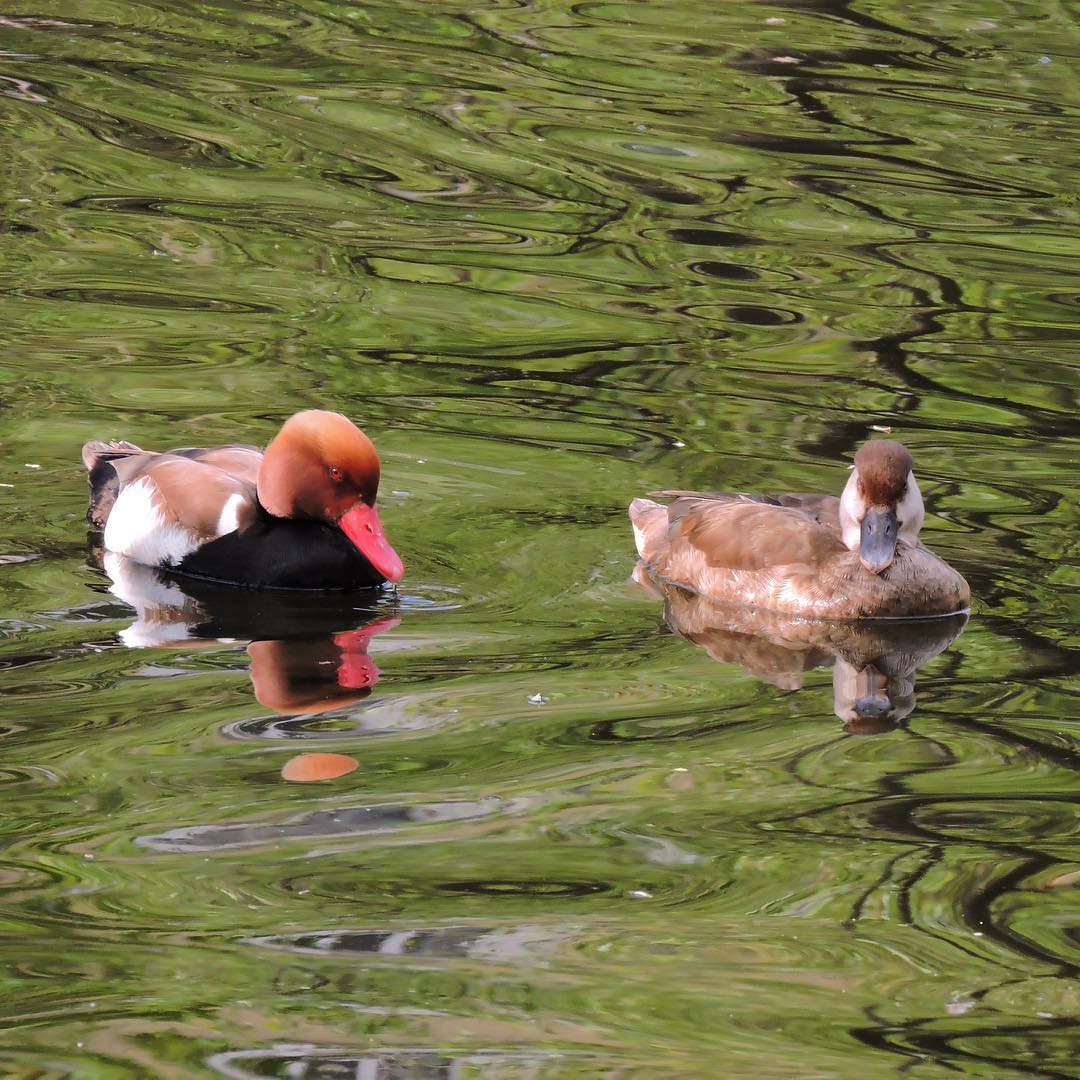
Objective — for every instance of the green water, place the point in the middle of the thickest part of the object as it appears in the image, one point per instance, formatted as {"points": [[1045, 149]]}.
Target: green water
{"points": [[551, 256]]}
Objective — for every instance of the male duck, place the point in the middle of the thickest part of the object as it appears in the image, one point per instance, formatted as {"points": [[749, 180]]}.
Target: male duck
{"points": [[299, 516], [855, 557]]}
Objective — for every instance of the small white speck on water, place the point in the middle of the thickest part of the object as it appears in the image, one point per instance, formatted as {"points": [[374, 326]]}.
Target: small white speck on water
{"points": [[882, 428], [306, 97], [24, 200], [976, 933], [775, 20], [678, 443], [1044, 59], [642, 127], [421, 461], [7, 485], [681, 768], [88, 856], [538, 699], [641, 894], [786, 59], [958, 1008], [401, 494], [30, 465]]}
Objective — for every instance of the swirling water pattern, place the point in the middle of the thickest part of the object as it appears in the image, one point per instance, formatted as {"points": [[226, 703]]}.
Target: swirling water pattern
{"points": [[551, 255]]}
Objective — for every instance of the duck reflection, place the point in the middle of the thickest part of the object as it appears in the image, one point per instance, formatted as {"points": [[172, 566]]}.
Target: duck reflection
{"points": [[302, 660], [874, 662]]}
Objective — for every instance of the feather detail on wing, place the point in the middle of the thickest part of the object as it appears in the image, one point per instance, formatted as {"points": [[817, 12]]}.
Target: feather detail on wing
{"points": [[240, 462], [202, 497], [166, 506], [750, 532], [750, 536]]}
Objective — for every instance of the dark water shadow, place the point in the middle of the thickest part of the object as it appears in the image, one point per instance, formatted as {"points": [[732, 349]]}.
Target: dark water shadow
{"points": [[874, 663], [309, 653]]}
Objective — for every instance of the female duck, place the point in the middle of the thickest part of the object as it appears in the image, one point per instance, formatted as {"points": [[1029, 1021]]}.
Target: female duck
{"points": [[855, 557], [300, 516]]}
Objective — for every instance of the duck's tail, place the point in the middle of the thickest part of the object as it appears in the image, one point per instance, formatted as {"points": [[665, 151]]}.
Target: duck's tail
{"points": [[649, 520], [104, 482], [95, 452]]}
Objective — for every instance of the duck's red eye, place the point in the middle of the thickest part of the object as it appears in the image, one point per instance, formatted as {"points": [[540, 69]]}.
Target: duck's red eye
{"points": [[335, 473]]}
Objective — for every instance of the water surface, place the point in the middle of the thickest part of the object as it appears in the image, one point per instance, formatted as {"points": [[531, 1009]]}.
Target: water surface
{"points": [[551, 256]]}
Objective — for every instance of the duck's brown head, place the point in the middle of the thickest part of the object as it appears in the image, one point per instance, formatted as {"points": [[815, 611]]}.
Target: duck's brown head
{"points": [[321, 467], [881, 504]]}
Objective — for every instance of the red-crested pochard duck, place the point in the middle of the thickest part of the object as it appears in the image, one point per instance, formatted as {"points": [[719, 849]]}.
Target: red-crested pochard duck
{"points": [[299, 516], [853, 557]]}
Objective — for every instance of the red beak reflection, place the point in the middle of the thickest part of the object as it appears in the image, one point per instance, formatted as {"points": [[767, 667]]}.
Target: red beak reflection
{"points": [[311, 675]]}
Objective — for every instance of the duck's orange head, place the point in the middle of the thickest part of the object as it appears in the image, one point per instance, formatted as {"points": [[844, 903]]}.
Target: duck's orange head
{"points": [[320, 466]]}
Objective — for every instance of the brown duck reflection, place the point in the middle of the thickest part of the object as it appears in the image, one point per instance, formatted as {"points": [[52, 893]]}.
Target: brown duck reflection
{"points": [[874, 662], [309, 653]]}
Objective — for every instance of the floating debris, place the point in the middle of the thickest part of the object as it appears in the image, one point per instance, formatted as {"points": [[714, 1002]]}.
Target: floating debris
{"points": [[882, 428], [538, 699]]}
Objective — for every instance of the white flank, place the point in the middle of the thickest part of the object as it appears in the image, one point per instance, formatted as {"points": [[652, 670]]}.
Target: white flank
{"points": [[137, 528], [640, 509], [229, 521]]}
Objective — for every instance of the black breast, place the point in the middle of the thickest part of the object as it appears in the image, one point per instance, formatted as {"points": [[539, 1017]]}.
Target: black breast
{"points": [[278, 553]]}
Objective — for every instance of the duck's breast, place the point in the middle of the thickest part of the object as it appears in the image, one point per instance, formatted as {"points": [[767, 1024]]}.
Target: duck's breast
{"points": [[281, 553], [917, 585]]}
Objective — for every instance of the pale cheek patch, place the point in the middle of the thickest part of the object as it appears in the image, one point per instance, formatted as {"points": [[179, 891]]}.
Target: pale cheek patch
{"points": [[138, 529], [910, 512], [852, 511]]}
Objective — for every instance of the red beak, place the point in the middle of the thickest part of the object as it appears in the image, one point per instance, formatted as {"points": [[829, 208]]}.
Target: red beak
{"points": [[363, 527]]}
